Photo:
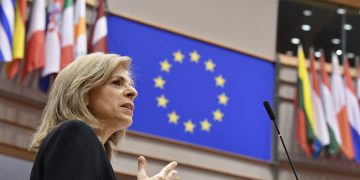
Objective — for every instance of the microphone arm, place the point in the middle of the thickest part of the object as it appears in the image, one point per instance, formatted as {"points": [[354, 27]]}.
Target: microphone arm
{"points": [[272, 117]]}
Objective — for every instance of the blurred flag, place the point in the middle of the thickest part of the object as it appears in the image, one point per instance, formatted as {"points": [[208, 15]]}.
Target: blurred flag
{"points": [[19, 39], [352, 110], [305, 124], [35, 41], [7, 19], [330, 114], [53, 44], [53, 51], [98, 35], [80, 28], [195, 92], [338, 92], [357, 61], [321, 131], [67, 34]]}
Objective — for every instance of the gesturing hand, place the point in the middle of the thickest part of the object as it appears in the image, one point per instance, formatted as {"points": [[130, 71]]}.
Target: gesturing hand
{"points": [[167, 172]]}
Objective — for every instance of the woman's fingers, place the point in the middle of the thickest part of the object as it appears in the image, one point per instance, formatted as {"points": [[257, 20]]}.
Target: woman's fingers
{"points": [[167, 172], [167, 169], [172, 175], [142, 168]]}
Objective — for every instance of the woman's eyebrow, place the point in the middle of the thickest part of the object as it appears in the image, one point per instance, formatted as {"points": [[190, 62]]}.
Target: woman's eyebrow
{"points": [[124, 78], [119, 76]]}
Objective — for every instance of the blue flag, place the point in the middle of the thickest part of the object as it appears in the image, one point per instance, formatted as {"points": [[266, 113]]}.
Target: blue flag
{"points": [[194, 92]]}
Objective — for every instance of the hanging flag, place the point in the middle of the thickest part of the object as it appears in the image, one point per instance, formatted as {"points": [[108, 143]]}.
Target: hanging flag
{"points": [[196, 92], [338, 92], [53, 44], [352, 110], [67, 34], [80, 28], [19, 39], [305, 124], [321, 131], [7, 19], [98, 35], [35, 42], [357, 60], [330, 114], [53, 51]]}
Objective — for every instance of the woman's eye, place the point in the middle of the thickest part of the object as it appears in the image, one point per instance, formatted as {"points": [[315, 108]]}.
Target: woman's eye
{"points": [[116, 82]]}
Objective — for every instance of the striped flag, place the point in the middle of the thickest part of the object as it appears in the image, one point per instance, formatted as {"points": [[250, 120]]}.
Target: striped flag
{"points": [[53, 52], [330, 114], [358, 81], [358, 78], [53, 44], [7, 19], [67, 34], [321, 131], [80, 28], [338, 92], [35, 42], [19, 39], [305, 124], [98, 35], [353, 111]]}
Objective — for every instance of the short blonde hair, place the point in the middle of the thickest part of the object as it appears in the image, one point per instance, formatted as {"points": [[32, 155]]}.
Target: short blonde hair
{"points": [[68, 98]]}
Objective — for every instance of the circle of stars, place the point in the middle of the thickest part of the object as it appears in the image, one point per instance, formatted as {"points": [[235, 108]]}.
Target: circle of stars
{"points": [[162, 100]]}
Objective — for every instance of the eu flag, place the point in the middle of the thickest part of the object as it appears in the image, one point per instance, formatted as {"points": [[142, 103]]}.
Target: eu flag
{"points": [[194, 92]]}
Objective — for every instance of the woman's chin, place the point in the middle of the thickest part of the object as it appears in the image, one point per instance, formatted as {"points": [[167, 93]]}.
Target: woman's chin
{"points": [[126, 122]]}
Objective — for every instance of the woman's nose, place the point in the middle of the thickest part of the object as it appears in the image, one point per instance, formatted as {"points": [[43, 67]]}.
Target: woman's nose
{"points": [[131, 93]]}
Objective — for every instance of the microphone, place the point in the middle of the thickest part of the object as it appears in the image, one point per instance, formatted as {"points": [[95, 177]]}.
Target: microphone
{"points": [[272, 117], [269, 111]]}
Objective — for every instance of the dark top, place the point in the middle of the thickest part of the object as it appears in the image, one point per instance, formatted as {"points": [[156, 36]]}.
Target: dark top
{"points": [[72, 151]]}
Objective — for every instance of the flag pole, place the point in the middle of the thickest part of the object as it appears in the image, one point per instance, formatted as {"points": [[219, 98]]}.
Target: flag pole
{"points": [[343, 36]]}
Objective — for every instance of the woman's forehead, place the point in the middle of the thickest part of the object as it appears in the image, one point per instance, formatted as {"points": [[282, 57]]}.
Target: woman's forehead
{"points": [[121, 72]]}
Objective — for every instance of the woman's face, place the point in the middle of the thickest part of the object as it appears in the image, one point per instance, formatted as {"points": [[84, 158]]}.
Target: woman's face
{"points": [[113, 102]]}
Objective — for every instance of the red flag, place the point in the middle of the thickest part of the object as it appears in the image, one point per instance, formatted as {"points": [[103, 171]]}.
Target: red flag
{"points": [[35, 54], [98, 36]]}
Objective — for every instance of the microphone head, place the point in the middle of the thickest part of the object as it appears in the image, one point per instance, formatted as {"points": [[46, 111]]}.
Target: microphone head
{"points": [[269, 110]]}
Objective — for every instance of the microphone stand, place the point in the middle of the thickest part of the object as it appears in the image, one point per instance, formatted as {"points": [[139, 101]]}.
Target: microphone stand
{"points": [[272, 117]]}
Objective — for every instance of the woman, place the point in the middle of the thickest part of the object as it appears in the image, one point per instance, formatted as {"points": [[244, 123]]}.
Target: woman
{"points": [[90, 106]]}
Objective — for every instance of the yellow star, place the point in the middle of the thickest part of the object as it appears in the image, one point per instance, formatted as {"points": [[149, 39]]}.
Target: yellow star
{"points": [[205, 125], [159, 82], [209, 65], [194, 56], [162, 101], [165, 66], [189, 126], [220, 81], [173, 117], [223, 99], [218, 115], [178, 56]]}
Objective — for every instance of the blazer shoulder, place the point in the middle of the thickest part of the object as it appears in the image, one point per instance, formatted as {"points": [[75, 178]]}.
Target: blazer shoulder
{"points": [[71, 151], [73, 130], [74, 126]]}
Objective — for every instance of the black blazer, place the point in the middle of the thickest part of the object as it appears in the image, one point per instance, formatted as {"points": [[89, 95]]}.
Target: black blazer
{"points": [[72, 151]]}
